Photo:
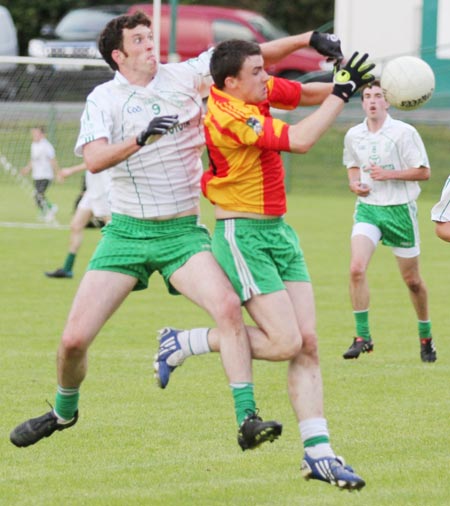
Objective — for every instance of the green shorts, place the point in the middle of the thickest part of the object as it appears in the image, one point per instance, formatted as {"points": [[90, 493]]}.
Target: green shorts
{"points": [[398, 225], [140, 247], [258, 255]]}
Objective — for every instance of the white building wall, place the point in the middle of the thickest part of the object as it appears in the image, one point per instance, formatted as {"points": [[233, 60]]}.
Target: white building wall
{"points": [[382, 28], [443, 31]]}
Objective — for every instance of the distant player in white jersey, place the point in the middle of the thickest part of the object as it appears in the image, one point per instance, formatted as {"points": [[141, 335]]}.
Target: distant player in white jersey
{"points": [[145, 126], [94, 203], [440, 213], [385, 159], [44, 168]]}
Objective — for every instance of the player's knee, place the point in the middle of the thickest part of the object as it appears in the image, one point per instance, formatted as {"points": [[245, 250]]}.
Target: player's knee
{"points": [[229, 307], [310, 346], [73, 345], [357, 271], [76, 228], [293, 348], [414, 284], [287, 346]]}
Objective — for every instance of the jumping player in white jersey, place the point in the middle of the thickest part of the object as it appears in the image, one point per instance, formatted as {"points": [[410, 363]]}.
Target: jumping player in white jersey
{"points": [[146, 127], [440, 213], [385, 159]]}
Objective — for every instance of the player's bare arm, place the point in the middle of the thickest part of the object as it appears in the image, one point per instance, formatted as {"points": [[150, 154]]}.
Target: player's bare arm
{"points": [[100, 155], [315, 93], [378, 173], [442, 230], [278, 49], [354, 182], [326, 44], [304, 134], [70, 171]]}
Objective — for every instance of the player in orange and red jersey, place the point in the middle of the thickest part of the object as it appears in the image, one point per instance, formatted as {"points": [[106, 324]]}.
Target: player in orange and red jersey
{"points": [[254, 245]]}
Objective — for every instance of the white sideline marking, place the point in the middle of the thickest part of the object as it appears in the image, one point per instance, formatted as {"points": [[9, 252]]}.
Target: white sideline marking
{"points": [[10, 224]]}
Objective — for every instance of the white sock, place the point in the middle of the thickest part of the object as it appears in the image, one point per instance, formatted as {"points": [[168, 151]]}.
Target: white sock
{"points": [[62, 421], [194, 341], [315, 427]]}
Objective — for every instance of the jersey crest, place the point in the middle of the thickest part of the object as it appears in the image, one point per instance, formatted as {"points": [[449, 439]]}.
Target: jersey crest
{"points": [[254, 124]]}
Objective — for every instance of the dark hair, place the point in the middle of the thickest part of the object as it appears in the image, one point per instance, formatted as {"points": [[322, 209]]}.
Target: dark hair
{"points": [[112, 35], [375, 83], [228, 58]]}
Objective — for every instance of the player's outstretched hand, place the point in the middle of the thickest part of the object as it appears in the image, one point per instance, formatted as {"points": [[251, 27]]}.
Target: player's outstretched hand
{"points": [[352, 76], [158, 126], [327, 44]]}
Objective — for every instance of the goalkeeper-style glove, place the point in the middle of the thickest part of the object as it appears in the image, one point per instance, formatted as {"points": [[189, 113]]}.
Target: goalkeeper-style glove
{"points": [[327, 44], [350, 78], [158, 126]]}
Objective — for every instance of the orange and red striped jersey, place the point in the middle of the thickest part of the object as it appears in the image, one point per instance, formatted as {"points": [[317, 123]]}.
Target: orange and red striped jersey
{"points": [[244, 141]]}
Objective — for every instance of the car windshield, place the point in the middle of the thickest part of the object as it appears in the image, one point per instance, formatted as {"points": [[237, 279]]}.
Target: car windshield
{"points": [[267, 28], [83, 24], [225, 29]]}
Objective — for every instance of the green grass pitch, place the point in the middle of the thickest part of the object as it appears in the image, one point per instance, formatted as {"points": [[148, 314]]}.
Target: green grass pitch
{"points": [[137, 445]]}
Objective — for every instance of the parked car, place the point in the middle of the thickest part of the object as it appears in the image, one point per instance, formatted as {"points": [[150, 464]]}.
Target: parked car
{"points": [[198, 27], [8, 47], [75, 36]]}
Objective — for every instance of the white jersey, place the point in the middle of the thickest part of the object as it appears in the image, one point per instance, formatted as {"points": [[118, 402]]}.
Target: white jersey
{"points": [[96, 196], [98, 185], [42, 154], [162, 178], [441, 210], [396, 146]]}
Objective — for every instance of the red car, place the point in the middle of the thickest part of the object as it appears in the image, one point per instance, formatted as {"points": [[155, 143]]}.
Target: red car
{"points": [[199, 27]]}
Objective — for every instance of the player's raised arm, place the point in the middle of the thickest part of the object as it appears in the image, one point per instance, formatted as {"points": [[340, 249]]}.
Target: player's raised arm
{"points": [[326, 44]]}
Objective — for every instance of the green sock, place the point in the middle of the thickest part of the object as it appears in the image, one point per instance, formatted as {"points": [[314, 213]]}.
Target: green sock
{"points": [[362, 324], [244, 401], [424, 329], [66, 402], [70, 260], [313, 441]]}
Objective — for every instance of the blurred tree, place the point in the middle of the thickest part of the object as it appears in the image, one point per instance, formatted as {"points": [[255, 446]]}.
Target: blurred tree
{"points": [[295, 17]]}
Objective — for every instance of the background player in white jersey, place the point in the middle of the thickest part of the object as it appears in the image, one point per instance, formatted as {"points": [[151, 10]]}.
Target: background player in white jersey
{"points": [[44, 168], [155, 192], [94, 203], [385, 159], [440, 213]]}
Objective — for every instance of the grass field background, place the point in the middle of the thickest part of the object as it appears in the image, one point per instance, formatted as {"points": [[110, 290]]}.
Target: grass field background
{"points": [[137, 445]]}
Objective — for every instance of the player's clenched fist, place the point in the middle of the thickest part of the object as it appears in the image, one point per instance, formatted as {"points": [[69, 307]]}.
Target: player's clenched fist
{"points": [[327, 44]]}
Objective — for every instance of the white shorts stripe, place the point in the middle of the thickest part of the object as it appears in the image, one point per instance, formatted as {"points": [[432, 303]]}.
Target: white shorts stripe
{"points": [[249, 287]]}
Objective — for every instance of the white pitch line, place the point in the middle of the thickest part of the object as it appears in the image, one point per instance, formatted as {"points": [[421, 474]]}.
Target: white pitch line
{"points": [[56, 226]]}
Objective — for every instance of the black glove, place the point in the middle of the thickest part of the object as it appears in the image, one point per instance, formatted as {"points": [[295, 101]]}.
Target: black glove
{"points": [[327, 44], [158, 126], [352, 76]]}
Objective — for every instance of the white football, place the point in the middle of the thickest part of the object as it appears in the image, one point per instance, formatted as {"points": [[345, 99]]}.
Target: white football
{"points": [[407, 82]]}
